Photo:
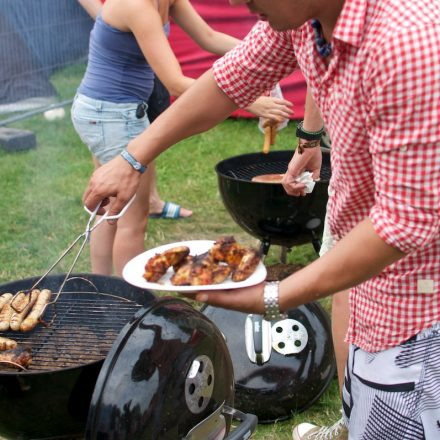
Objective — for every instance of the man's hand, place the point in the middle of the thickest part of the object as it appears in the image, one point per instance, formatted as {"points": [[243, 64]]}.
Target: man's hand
{"points": [[310, 160], [114, 179], [246, 299]]}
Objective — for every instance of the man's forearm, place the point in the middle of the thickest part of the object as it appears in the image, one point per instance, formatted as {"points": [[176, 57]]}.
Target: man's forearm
{"points": [[192, 113], [359, 256], [312, 116]]}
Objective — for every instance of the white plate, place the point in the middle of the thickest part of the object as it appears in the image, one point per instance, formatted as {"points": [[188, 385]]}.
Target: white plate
{"points": [[134, 270]]}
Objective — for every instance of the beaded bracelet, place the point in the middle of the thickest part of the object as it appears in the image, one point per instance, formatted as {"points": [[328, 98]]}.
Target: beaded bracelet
{"points": [[308, 135], [303, 144]]}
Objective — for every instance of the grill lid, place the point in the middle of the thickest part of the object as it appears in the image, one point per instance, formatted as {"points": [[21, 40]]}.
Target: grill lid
{"points": [[168, 370]]}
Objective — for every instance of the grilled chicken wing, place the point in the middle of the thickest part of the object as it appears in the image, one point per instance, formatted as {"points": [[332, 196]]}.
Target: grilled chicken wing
{"points": [[221, 247], [176, 254], [227, 250], [182, 277], [157, 266], [220, 273], [19, 355], [187, 260], [247, 265]]}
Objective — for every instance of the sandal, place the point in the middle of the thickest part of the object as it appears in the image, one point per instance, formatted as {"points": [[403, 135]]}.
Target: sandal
{"points": [[170, 210]]}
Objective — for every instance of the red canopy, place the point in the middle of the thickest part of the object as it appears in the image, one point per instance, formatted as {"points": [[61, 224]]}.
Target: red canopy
{"points": [[236, 21]]}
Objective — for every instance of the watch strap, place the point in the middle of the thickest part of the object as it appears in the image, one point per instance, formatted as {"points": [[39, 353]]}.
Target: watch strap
{"points": [[271, 304], [133, 162]]}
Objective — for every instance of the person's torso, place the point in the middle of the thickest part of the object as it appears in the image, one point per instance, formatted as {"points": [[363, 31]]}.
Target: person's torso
{"points": [[393, 306], [117, 70]]}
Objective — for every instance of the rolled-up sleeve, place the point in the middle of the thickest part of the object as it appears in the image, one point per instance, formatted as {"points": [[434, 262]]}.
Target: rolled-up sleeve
{"points": [[262, 59], [404, 102]]}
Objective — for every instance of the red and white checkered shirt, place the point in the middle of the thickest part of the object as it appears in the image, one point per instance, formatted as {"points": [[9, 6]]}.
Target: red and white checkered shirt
{"points": [[380, 101]]}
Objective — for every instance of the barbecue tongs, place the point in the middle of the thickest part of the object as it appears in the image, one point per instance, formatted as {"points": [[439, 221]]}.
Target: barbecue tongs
{"points": [[85, 236]]}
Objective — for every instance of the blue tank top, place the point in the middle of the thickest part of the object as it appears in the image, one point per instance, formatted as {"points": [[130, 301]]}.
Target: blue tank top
{"points": [[117, 70]]}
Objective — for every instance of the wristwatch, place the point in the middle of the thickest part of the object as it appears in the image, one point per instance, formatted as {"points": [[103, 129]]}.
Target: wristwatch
{"points": [[271, 305], [133, 162]]}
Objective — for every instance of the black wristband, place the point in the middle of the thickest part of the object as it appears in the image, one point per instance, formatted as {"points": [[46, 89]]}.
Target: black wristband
{"points": [[308, 135]]}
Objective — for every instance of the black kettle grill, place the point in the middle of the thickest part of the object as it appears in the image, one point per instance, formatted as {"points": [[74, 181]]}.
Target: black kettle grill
{"points": [[279, 367], [116, 363], [265, 210]]}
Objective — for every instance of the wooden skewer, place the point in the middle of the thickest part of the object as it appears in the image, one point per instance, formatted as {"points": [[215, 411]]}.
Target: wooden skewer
{"points": [[273, 133], [267, 138]]}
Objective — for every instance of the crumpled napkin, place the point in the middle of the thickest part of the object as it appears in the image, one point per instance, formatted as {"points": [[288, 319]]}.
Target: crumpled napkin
{"points": [[307, 179]]}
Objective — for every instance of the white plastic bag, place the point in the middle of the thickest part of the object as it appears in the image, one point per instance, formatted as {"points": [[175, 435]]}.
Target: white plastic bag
{"points": [[275, 93]]}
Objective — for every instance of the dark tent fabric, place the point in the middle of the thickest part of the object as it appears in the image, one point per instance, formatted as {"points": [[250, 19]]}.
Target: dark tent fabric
{"points": [[236, 21], [39, 37], [36, 39]]}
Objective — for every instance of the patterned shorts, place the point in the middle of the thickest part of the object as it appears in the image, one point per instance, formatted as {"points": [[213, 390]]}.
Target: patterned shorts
{"points": [[395, 394]]}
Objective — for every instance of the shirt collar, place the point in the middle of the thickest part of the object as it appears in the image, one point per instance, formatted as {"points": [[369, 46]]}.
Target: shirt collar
{"points": [[351, 22]]}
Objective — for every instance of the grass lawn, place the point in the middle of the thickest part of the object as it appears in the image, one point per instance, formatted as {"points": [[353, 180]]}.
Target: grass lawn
{"points": [[42, 210]]}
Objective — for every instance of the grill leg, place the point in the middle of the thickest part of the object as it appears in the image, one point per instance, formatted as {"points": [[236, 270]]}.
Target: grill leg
{"points": [[264, 248], [312, 225]]}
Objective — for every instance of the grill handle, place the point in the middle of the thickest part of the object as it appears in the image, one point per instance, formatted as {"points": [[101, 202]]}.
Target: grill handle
{"points": [[248, 423]]}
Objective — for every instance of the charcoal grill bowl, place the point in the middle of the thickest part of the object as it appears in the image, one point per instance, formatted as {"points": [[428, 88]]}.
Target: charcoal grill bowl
{"points": [[55, 404], [265, 210]]}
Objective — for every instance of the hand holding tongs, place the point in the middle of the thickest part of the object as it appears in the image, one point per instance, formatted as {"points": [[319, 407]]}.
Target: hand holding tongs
{"points": [[85, 235]]}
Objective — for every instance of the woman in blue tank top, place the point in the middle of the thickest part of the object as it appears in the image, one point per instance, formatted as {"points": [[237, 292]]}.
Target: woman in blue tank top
{"points": [[128, 46]]}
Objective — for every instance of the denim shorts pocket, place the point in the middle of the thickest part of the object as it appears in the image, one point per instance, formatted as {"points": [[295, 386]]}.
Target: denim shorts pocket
{"points": [[90, 132], [87, 125], [134, 125]]}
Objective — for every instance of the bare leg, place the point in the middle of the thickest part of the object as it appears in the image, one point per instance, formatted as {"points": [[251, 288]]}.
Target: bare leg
{"points": [[340, 318], [130, 233], [156, 203], [101, 245]]}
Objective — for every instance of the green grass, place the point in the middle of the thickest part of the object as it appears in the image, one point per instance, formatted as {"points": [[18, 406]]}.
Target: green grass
{"points": [[42, 212]]}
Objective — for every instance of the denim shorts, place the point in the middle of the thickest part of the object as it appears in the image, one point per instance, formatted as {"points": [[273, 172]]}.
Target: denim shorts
{"points": [[106, 127]]}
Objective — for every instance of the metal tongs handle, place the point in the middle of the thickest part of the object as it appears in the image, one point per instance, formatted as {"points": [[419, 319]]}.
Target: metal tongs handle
{"points": [[106, 216], [86, 235]]}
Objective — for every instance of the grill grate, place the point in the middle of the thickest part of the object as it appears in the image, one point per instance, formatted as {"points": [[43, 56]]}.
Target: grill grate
{"points": [[83, 331], [247, 172]]}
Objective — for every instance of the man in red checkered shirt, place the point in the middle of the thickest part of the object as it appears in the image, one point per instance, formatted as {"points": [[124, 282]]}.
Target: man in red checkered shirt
{"points": [[373, 68]]}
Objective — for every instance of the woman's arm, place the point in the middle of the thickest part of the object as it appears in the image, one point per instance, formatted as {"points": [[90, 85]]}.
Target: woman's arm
{"points": [[92, 7], [193, 24], [142, 18]]}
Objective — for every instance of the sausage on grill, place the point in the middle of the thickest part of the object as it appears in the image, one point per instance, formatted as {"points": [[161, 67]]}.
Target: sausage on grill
{"points": [[7, 344], [23, 303], [6, 311], [31, 320], [4, 299]]}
